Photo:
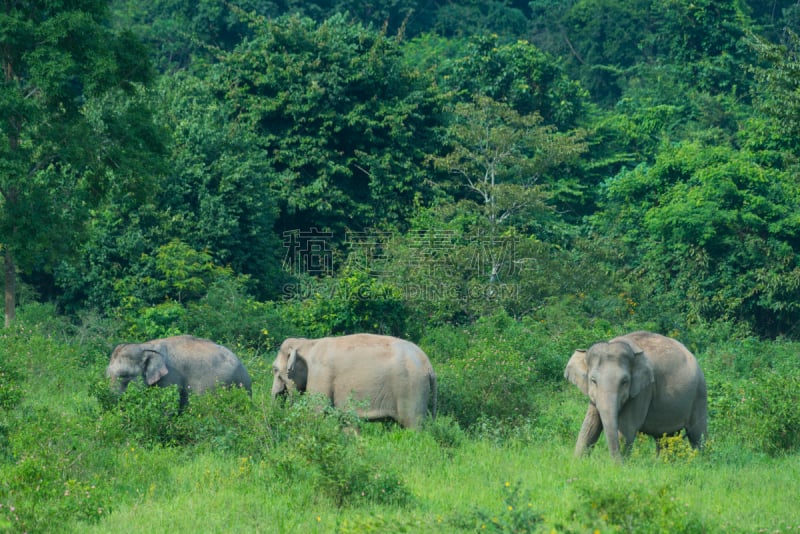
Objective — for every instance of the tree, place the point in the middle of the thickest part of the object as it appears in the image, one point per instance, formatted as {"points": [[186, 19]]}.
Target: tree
{"points": [[500, 157], [344, 122], [74, 120], [178, 33], [218, 189], [519, 75], [711, 233], [476, 252], [215, 198], [476, 16], [606, 44], [777, 92]]}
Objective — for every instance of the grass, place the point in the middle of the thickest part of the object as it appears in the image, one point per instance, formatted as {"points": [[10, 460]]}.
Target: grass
{"points": [[67, 466], [210, 493]]}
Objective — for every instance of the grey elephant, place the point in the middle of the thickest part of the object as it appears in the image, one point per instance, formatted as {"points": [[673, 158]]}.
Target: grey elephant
{"points": [[639, 382], [386, 377], [193, 364]]}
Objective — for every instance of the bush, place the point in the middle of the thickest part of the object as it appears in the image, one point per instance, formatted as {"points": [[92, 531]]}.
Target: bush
{"points": [[491, 377], [445, 431], [767, 417], [753, 389], [11, 391], [224, 420], [47, 481], [632, 508], [228, 315], [151, 322], [516, 516], [352, 302], [324, 444], [377, 523], [144, 415]]}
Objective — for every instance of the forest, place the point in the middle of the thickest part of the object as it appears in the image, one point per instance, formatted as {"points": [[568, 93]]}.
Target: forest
{"points": [[500, 182]]}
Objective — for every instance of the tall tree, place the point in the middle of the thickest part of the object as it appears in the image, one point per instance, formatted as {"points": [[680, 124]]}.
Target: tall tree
{"points": [[777, 88], [73, 125], [517, 74], [178, 33], [500, 156], [343, 119], [712, 232]]}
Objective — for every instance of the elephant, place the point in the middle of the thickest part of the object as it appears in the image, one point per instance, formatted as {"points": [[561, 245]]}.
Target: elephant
{"points": [[193, 364], [386, 377], [639, 382]]}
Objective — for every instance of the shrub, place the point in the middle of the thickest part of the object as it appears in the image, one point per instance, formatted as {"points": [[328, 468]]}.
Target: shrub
{"points": [[46, 482], [517, 514], [324, 443], [671, 449], [151, 322], [377, 523], [12, 379], [11, 390], [144, 415], [352, 302], [228, 315], [631, 508], [753, 387], [445, 431], [490, 378], [223, 420], [767, 417]]}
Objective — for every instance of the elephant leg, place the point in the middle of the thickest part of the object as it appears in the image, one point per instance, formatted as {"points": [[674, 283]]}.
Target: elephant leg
{"points": [[628, 429], [698, 423], [627, 439], [184, 397], [590, 431]]}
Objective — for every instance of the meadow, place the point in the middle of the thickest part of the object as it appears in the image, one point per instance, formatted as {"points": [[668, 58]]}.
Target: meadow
{"points": [[75, 459]]}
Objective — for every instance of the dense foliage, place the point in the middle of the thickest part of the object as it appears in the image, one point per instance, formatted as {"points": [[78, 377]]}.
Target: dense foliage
{"points": [[498, 181], [277, 144]]}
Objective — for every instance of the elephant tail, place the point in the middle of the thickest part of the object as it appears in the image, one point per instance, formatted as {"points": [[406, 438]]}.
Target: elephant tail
{"points": [[434, 392]]}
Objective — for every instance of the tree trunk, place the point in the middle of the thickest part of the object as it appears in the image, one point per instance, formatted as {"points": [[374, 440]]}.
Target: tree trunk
{"points": [[11, 287], [10, 197]]}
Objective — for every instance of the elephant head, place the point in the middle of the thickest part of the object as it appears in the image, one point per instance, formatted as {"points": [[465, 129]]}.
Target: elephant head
{"points": [[290, 368], [614, 375], [130, 361]]}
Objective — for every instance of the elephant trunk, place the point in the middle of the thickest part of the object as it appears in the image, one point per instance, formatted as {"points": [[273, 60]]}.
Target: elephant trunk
{"points": [[279, 388], [609, 416], [117, 385]]}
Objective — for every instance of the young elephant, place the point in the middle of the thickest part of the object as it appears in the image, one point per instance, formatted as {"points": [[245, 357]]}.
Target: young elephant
{"points": [[386, 377], [191, 363], [641, 382]]}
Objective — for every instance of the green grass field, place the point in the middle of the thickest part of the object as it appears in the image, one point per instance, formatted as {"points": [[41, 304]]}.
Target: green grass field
{"points": [[210, 493], [69, 463]]}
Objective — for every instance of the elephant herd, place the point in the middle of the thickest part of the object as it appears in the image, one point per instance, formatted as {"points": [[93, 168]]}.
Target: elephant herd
{"points": [[639, 382]]}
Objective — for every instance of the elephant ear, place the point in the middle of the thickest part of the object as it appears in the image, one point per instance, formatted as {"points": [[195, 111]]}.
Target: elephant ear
{"points": [[292, 360], [642, 374], [155, 366], [577, 370], [298, 370]]}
